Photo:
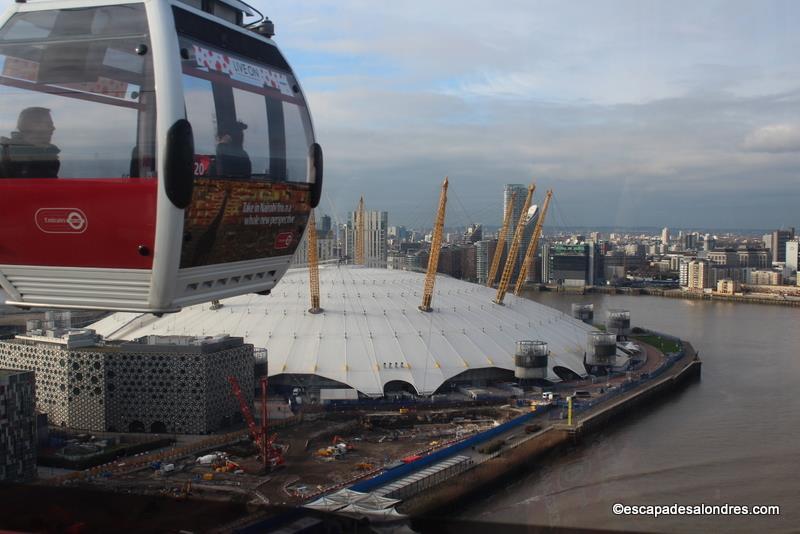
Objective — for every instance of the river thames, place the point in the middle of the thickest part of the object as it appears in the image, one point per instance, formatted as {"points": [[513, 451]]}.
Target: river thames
{"points": [[731, 438]]}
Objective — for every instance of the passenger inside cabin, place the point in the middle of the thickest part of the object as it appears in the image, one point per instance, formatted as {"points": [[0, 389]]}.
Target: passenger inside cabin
{"points": [[232, 159], [29, 153]]}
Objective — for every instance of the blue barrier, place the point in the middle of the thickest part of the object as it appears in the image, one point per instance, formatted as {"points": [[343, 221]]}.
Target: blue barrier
{"points": [[404, 470]]}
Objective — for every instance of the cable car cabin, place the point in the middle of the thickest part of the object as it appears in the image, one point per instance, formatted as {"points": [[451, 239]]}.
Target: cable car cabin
{"points": [[155, 154]]}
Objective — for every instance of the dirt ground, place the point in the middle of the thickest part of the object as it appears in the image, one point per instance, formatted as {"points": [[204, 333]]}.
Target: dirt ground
{"points": [[305, 471]]}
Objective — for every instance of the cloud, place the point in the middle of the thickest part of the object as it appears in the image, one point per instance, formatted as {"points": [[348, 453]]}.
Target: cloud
{"points": [[641, 112], [774, 138]]}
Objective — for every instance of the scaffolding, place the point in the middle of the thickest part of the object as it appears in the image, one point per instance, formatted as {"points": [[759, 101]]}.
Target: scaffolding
{"points": [[436, 245], [501, 242], [313, 264], [359, 237], [537, 232]]}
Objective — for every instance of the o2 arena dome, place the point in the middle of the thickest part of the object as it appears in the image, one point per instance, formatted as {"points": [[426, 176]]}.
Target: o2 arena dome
{"points": [[371, 336]]}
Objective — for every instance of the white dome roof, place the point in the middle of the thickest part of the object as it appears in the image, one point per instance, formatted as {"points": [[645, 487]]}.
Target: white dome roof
{"points": [[370, 319]]}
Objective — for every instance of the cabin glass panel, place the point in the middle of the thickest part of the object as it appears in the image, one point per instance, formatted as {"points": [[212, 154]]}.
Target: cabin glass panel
{"points": [[249, 119], [78, 100]]}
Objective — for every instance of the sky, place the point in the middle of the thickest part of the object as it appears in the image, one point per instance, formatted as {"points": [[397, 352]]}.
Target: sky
{"points": [[635, 113]]}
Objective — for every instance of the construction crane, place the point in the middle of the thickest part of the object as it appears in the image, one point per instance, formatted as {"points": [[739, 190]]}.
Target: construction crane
{"points": [[502, 287], [436, 246], [313, 265], [537, 232], [501, 241], [359, 237], [269, 453]]}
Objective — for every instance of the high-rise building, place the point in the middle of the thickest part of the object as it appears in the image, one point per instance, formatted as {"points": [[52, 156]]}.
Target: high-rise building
{"points": [[683, 273], [516, 211], [778, 244], [325, 224], [792, 255], [376, 226], [484, 252], [17, 426], [326, 249], [546, 262], [698, 275], [665, 236], [397, 232], [690, 241], [709, 242]]}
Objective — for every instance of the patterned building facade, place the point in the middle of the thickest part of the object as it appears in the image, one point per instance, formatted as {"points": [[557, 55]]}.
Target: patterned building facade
{"points": [[177, 384], [17, 426]]}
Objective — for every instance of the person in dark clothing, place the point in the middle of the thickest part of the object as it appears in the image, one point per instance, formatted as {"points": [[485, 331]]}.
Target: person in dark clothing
{"points": [[28, 153], [232, 159]]}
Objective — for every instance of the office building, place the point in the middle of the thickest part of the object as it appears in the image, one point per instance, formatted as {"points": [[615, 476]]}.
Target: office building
{"points": [[574, 264], [726, 256], [690, 241], [778, 244], [757, 258], [484, 252], [176, 384]]}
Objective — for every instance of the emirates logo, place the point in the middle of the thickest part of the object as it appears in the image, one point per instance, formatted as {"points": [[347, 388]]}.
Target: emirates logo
{"points": [[61, 220]]}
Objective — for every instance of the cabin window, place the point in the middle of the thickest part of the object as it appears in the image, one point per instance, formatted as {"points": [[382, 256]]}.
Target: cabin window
{"points": [[249, 120], [78, 95]]}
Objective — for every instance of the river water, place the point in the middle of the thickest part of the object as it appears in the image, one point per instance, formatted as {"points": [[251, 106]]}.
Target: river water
{"points": [[731, 438]]}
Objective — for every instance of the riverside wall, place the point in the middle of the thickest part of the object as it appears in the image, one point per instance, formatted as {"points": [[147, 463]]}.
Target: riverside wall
{"points": [[509, 461]]}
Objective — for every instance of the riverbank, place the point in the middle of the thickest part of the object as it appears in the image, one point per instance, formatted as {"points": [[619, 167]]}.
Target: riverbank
{"points": [[751, 298], [521, 453]]}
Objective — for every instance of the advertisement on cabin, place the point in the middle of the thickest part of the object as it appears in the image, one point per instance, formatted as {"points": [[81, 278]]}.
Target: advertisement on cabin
{"points": [[230, 221]]}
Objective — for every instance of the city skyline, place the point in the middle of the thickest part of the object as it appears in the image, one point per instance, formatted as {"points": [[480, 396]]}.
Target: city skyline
{"points": [[691, 123]]}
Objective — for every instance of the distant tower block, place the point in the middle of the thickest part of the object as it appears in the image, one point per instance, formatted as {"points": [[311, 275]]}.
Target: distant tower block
{"points": [[530, 360], [602, 349], [618, 321], [583, 312]]}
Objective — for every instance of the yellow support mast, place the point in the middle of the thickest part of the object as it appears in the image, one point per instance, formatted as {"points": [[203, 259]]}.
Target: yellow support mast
{"points": [[537, 233], [436, 246], [502, 287], [313, 265], [501, 242], [359, 237]]}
